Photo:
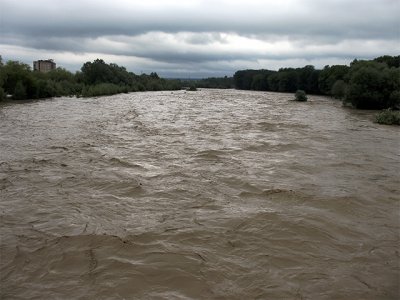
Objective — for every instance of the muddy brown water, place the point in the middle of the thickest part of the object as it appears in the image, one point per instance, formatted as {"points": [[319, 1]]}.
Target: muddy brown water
{"points": [[215, 194]]}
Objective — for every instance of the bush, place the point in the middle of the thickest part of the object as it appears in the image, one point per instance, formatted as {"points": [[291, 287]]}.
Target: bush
{"points": [[103, 89], [300, 95], [388, 117]]}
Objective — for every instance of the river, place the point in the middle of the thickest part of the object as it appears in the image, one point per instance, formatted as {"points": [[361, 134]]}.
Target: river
{"points": [[214, 194]]}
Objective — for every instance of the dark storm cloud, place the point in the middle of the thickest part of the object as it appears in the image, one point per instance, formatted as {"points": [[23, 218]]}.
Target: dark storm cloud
{"points": [[183, 32], [341, 19]]}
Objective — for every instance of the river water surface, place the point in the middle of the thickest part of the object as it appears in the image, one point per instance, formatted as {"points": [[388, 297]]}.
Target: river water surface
{"points": [[215, 194]]}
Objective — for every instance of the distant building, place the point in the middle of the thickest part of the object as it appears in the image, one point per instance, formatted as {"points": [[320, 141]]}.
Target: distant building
{"points": [[44, 65]]}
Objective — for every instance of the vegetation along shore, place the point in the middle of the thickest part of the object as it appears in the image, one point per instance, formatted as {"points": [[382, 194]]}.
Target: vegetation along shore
{"points": [[365, 84]]}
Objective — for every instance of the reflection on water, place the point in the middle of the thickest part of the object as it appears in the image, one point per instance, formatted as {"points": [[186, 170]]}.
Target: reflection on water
{"points": [[206, 195]]}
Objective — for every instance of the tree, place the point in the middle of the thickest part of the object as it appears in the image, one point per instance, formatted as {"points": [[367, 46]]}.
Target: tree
{"points": [[60, 74], [12, 73], [243, 79], [259, 82], [329, 75], [288, 80], [2, 94], [372, 85], [390, 61], [95, 72], [212, 82], [308, 79], [394, 99], [19, 91], [273, 82], [154, 75], [238, 79], [338, 89]]}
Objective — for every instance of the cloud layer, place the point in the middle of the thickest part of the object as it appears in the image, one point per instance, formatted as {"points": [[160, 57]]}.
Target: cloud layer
{"points": [[201, 37]]}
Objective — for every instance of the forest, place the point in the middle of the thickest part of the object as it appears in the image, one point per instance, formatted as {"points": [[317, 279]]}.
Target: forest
{"points": [[365, 84], [94, 79]]}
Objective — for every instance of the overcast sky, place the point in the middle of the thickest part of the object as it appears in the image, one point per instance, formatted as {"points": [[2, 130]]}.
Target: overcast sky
{"points": [[197, 38]]}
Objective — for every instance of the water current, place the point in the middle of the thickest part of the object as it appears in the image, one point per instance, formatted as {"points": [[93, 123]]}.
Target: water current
{"points": [[215, 194]]}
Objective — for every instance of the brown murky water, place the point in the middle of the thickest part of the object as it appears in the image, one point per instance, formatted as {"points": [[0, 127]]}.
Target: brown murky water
{"points": [[204, 195]]}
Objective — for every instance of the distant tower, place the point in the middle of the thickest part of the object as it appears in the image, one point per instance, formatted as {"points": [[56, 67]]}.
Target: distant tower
{"points": [[44, 65]]}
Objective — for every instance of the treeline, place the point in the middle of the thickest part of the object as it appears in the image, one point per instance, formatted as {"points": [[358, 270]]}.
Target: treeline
{"points": [[210, 83], [369, 84], [94, 79], [366, 84]]}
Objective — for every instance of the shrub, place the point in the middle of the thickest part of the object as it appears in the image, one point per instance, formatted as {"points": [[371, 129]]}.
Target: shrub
{"points": [[388, 117], [103, 89], [300, 95]]}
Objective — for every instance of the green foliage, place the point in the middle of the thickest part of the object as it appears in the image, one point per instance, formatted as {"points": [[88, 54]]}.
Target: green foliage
{"points": [[243, 79], [154, 75], [284, 80], [365, 84], [60, 75], [172, 84], [19, 91], [107, 79], [12, 73], [103, 89], [252, 79], [192, 89], [207, 83], [49, 88], [338, 89], [372, 85], [273, 82], [390, 61], [288, 80], [211, 82], [99, 72], [259, 82], [329, 76], [96, 78], [388, 117], [33, 85], [308, 79], [2, 94], [300, 96], [394, 99]]}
